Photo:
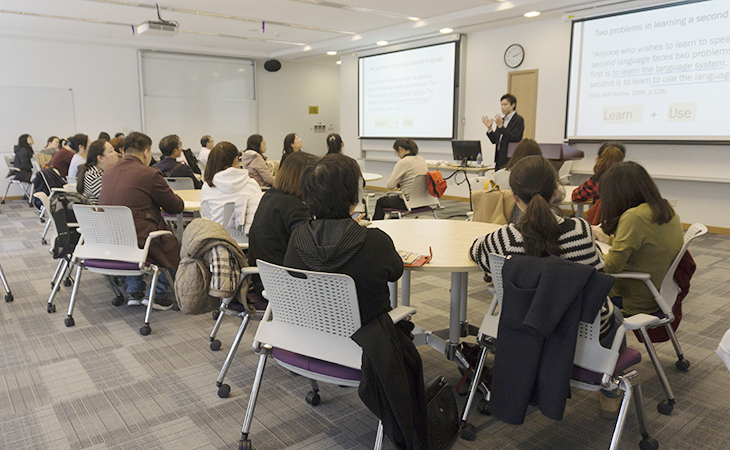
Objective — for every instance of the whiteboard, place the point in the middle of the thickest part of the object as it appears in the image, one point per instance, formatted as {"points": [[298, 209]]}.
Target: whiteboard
{"points": [[193, 96], [40, 112]]}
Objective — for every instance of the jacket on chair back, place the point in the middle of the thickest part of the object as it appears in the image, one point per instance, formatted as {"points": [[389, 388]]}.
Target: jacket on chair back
{"points": [[544, 301]]}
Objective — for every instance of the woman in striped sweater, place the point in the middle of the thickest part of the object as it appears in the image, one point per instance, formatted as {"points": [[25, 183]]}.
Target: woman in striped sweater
{"points": [[100, 157], [539, 231]]}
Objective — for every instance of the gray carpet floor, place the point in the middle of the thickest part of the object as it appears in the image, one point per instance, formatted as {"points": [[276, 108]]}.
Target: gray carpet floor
{"points": [[100, 385]]}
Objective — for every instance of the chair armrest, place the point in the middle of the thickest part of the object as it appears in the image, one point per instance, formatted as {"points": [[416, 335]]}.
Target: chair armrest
{"points": [[153, 235], [247, 271], [640, 321], [400, 313], [632, 275], [394, 193]]}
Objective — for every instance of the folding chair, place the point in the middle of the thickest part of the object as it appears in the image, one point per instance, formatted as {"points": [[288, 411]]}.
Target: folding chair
{"points": [[62, 271], [10, 179], [306, 328], [595, 367], [665, 298], [419, 202], [109, 247], [8, 294]]}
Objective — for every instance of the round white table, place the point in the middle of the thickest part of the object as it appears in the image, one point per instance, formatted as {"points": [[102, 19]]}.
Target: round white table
{"points": [[369, 176], [191, 197], [449, 241]]}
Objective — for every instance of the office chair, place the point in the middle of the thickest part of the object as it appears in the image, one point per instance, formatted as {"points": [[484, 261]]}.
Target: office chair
{"points": [[306, 328], [419, 202], [665, 297], [8, 294], [10, 179]]}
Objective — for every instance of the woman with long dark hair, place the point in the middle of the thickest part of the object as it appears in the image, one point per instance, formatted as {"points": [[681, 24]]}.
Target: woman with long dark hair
{"points": [[526, 147], [644, 232], [24, 158], [608, 156], [101, 156], [334, 143], [292, 143], [224, 183], [253, 160], [280, 211]]}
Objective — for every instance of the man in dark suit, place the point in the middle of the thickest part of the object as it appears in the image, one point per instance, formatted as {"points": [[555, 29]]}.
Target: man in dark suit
{"points": [[510, 127], [132, 183]]}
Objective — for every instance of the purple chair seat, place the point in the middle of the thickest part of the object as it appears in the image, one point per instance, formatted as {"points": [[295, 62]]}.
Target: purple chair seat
{"points": [[414, 210], [316, 365], [627, 357], [111, 264]]}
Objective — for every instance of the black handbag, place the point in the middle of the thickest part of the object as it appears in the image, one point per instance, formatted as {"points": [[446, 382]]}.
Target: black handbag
{"points": [[443, 415]]}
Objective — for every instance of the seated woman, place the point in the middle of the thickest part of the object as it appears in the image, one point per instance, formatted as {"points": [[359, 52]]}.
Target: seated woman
{"points": [[225, 183], [280, 211], [539, 231], [23, 158], [334, 143], [292, 143], [80, 145], [608, 155], [644, 232], [526, 147], [101, 156], [404, 172], [253, 160], [334, 242]]}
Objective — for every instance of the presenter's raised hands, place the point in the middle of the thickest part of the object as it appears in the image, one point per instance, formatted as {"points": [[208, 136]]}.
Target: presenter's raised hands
{"points": [[487, 122], [498, 120]]}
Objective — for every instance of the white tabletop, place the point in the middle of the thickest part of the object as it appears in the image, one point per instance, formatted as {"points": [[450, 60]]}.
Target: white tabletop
{"points": [[369, 176], [450, 241], [191, 197]]}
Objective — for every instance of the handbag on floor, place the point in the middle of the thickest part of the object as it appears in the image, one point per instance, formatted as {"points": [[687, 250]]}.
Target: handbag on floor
{"points": [[443, 414]]}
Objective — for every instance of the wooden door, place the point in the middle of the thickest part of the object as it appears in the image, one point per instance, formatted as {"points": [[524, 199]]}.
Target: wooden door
{"points": [[523, 85]]}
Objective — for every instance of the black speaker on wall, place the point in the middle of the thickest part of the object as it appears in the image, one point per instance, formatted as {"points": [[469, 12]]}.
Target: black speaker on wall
{"points": [[272, 65]]}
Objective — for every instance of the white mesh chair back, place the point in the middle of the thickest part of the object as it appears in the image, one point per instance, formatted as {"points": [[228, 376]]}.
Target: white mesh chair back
{"points": [[312, 313], [181, 183], [238, 233], [10, 162], [420, 196], [589, 354], [47, 215], [490, 323], [108, 233], [669, 288]]}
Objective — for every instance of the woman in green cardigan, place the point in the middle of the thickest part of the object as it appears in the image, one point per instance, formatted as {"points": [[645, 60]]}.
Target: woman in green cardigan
{"points": [[644, 232]]}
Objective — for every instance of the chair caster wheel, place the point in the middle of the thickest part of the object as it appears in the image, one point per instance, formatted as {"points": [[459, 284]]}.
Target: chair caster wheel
{"points": [[215, 345], [483, 407], [224, 391], [682, 365], [118, 301], [145, 330], [51, 308], [313, 398], [43, 220], [67, 282], [665, 407], [468, 432], [2, 202], [648, 443], [44, 242], [9, 298], [69, 321], [216, 314], [245, 445], [175, 307]]}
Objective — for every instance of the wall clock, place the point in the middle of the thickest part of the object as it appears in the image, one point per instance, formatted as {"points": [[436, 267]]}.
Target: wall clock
{"points": [[514, 55]]}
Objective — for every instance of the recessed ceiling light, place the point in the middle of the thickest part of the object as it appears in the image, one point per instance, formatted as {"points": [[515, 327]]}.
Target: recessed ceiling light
{"points": [[338, 62], [532, 14], [332, 53], [446, 30], [381, 43]]}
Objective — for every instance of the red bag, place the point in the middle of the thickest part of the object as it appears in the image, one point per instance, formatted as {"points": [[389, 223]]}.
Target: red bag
{"points": [[436, 183]]}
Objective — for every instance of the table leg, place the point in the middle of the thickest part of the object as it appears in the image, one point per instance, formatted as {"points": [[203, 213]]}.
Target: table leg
{"points": [[179, 228], [406, 287], [579, 210], [393, 288], [455, 313]]}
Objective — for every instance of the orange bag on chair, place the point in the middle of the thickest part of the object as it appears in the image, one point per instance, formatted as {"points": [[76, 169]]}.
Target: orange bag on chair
{"points": [[436, 183]]}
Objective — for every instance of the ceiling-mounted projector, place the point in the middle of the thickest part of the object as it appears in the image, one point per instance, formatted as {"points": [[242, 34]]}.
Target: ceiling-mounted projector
{"points": [[160, 27]]}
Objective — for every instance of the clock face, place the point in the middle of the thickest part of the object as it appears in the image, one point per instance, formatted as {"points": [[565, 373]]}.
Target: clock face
{"points": [[514, 55]]}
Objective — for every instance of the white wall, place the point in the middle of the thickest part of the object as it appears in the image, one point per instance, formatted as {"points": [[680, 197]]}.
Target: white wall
{"points": [[105, 83], [546, 46]]}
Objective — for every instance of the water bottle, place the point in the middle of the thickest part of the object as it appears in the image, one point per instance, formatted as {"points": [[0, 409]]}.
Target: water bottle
{"points": [[479, 159]]}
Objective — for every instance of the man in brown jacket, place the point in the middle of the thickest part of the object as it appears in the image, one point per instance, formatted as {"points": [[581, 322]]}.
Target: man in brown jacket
{"points": [[133, 183]]}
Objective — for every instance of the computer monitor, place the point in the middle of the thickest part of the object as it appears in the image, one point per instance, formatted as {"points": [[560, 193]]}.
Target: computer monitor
{"points": [[466, 150]]}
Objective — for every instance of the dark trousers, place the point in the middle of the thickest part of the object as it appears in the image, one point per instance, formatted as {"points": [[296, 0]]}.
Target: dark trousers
{"points": [[389, 201]]}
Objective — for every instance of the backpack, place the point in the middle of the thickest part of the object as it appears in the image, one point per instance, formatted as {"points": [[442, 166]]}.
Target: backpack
{"points": [[63, 214], [45, 180], [436, 183]]}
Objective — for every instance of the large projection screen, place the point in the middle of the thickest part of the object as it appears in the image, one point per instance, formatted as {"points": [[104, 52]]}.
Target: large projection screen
{"points": [[409, 93], [657, 74]]}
